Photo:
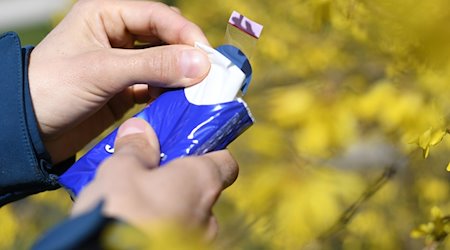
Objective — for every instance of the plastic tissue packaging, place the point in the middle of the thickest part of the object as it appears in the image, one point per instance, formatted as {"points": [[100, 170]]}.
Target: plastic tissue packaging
{"points": [[190, 121]]}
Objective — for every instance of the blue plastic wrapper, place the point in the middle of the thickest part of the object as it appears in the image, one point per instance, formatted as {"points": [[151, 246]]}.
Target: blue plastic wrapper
{"points": [[183, 128]]}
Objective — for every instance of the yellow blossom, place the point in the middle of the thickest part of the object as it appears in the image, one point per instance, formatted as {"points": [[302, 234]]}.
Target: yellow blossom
{"points": [[429, 138]]}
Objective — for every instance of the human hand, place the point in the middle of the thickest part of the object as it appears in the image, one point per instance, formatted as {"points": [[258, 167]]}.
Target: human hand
{"points": [[84, 74], [135, 190]]}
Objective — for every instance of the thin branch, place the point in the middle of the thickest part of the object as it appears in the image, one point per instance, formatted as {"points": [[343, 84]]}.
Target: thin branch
{"points": [[351, 211]]}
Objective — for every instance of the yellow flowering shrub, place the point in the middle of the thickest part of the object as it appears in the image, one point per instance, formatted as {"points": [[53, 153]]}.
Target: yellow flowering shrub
{"points": [[350, 146]]}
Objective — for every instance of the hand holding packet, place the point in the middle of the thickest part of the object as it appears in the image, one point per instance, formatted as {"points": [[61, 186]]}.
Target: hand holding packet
{"points": [[190, 121]]}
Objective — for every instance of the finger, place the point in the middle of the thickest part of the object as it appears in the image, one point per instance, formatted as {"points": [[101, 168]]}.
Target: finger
{"points": [[160, 20], [211, 228], [210, 174], [162, 66], [228, 167], [137, 142], [176, 9]]}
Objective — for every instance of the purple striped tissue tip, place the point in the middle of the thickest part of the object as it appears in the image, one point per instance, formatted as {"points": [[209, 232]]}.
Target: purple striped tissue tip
{"points": [[246, 25]]}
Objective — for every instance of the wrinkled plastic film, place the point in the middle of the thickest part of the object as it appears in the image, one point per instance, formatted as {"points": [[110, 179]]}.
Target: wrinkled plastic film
{"points": [[243, 33]]}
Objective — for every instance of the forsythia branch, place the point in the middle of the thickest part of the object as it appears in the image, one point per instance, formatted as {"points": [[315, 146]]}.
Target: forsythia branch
{"points": [[351, 211]]}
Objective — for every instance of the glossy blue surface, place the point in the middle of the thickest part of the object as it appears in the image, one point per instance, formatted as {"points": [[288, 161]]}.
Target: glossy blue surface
{"points": [[182, 128]]}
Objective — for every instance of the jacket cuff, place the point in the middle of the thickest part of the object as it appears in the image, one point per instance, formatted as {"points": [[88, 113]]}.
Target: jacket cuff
{"points": [[25, 165], [81, 232], [93, 230]]}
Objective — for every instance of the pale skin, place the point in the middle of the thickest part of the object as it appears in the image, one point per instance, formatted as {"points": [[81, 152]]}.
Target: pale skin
{"points": [[87, 66], [87, 73], [136, 190]]}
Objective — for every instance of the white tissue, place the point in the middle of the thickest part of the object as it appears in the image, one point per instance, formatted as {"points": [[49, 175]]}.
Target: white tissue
{"points": [[222, 84]]}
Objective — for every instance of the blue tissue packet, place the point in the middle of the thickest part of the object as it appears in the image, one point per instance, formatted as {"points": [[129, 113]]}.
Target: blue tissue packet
{"points": [[191, 121]]}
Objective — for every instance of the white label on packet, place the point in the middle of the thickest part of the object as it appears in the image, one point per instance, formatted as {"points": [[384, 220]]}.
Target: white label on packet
{"points": [[109, 149], [222, 84]]}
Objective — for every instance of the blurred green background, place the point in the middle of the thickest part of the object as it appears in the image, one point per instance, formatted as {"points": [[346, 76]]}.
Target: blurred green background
{"points": [[350, 145]]}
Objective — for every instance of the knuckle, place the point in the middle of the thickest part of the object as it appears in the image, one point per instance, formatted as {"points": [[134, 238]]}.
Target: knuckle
{"points": [[87, 4], [164, 65], [176, 9], [160, 64], [233, 169], [229, 167], [203, 170], [211, 195], [159, 5], [209, 174], [188, 29]]}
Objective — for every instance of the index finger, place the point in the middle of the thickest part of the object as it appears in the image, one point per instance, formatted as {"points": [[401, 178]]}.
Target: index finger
{"points": [[227, 165], [215, 170], [153, 18]]}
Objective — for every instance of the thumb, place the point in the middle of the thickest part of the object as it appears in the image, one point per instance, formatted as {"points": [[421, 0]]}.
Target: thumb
{"points": [[161, 66], [137, 144], [136, 148]]}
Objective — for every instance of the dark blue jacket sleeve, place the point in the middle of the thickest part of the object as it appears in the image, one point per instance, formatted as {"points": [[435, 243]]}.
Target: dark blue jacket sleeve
{"points": [[82, 232], [25, 166], [92, 230]]}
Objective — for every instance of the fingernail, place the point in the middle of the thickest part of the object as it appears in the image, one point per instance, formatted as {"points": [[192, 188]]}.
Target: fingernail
{"points": [[131, 126], [194, 63]]}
